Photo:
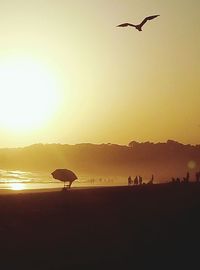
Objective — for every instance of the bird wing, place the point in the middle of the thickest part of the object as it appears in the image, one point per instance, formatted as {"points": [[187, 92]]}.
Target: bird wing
{"points": [[148, 19], [125, 25]]}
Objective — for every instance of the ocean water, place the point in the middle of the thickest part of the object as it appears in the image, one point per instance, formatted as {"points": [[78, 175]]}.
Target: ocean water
{"points": [[24, 180]]}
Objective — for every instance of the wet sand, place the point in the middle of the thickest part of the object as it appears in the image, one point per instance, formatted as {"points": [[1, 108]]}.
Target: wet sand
{"points": [[149, 225]]}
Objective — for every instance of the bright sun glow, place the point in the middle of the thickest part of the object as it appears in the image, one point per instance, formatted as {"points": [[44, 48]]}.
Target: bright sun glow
{"points": [[17, 186], [28, 94]]}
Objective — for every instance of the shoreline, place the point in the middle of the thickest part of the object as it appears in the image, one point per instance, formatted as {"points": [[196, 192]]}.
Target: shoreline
{"points": [[20, 187], [4, 191], [57, 190]]}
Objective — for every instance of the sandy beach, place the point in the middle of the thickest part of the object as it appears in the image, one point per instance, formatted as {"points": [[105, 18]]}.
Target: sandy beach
{"points": [[100, 226]]}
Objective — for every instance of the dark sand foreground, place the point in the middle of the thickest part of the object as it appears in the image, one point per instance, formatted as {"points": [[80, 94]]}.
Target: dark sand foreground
{"points": [[148, 226]]}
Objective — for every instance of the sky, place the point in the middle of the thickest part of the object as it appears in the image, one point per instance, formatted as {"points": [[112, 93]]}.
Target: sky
{"points": [[69, 75]]}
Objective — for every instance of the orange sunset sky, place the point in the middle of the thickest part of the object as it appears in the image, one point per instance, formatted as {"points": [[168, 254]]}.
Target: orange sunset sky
{"points": [[69, 75]]}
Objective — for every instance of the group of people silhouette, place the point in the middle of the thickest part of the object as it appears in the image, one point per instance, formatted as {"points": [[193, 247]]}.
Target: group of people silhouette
{"points": [[186, 179], [138, 180]]}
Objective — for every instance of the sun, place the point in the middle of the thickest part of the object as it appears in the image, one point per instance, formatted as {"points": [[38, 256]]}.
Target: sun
{"points": [[28, 92]]}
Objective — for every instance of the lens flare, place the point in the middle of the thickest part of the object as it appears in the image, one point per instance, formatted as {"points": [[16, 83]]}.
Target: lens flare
{"points": [[191, 164]]}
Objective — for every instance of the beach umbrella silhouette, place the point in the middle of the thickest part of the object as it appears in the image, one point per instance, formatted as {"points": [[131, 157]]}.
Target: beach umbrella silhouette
{"points": [[64, 175]]}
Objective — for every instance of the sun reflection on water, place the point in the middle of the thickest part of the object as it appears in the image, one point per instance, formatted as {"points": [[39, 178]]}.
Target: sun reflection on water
{"points": [[17, 186]]}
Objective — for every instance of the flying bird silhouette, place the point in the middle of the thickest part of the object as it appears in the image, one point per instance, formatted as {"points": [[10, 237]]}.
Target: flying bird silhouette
{"points": [[138, 26]]}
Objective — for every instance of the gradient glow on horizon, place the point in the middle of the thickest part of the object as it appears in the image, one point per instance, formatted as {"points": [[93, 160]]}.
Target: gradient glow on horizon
{"points": [[109, 84]]}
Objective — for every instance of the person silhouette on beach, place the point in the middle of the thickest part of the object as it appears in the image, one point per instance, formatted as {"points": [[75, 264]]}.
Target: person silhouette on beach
{"points": [[197, 177], [178, 180], [136, 181], [151, 180], [130, 181], [140, 180]]}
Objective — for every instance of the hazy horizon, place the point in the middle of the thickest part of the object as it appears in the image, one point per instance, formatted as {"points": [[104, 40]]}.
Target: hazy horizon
{"points": [[100, 143], [164, 160], [69, 75]]}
